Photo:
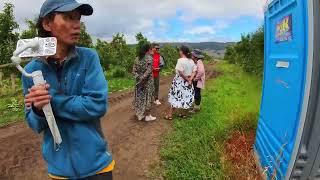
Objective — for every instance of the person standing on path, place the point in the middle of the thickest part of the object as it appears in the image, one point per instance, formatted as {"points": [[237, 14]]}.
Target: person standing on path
{"points": [[181, 95], [158, 63], [78, 93], [199, 79], [144, 90]]}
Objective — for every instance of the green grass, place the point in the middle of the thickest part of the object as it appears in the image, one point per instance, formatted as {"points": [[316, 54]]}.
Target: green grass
{"points": [[11, 109], [193, 149], [117, 84]]}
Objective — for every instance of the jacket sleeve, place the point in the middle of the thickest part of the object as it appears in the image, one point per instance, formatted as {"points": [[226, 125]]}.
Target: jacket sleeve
{"points": [[162, 62], [92, 103], [36, 121], [200, 70]]}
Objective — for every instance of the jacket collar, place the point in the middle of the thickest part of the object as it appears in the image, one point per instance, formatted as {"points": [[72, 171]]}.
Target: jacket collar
{"points": [[73, 55]]}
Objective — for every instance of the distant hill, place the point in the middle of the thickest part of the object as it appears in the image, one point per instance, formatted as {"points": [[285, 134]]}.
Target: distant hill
{"points": [[214, 49], [203, 45]]}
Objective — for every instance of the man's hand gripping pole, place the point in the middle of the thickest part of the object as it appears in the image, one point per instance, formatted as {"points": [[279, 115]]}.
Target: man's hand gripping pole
{"points": [[38, 80]]}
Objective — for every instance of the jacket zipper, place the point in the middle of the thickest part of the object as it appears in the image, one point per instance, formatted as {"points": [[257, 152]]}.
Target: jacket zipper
{"points": [[60, 75]]}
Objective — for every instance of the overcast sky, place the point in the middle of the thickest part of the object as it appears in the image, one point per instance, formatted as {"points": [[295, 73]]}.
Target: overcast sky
{"points": [[162, 21]]}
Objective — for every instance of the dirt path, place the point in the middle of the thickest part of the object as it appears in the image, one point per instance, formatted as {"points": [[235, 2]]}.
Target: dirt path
{"points": [[135, 145]]}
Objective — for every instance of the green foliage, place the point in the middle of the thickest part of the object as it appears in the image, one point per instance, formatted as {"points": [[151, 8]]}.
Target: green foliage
{"points": [[6, 87], [141, 41], [85, 38], [14, 105], [31, 32], [117, 72], [194, 148], [120, 53], [117, 57], [230, 54], [116, 53], [249, 52], [171, 55], [207, 58], [102, 49], [8, 38], [11, 109]]}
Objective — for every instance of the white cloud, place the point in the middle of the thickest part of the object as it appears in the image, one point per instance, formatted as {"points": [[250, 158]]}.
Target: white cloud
{"points": [[130, 17], [201, 30], [222, 8], [204, 33]]}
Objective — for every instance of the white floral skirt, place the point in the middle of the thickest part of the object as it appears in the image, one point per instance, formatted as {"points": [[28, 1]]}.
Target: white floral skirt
{"points": [[181, 95]]}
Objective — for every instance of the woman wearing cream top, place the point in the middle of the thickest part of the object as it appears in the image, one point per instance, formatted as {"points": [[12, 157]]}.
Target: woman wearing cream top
{"points": [[181, 95]]}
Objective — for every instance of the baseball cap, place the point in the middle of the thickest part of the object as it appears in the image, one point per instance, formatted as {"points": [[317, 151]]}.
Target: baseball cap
{"points": [[197, 53], [65, 6]]}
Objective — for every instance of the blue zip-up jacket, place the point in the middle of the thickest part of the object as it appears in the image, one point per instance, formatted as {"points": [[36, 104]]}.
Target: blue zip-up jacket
{"points": [[79, 99]]}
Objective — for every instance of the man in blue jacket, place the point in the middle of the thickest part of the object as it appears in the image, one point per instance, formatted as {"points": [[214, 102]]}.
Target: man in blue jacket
{"points": [[77, 90]]}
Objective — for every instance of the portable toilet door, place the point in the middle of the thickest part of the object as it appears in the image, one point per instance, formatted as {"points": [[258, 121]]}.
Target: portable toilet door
{"points": [[288, 134]]}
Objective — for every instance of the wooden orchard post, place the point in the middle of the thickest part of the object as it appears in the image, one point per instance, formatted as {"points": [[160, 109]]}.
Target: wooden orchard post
{"points": [[1, 83], [13, 82], [1, 77]]}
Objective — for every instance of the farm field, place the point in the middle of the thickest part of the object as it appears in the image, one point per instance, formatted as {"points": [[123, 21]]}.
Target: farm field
{"points": [[201, 146]]}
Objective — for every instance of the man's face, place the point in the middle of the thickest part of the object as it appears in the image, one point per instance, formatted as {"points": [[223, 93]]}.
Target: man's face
{"points": [[156, 49], [66, 27]]}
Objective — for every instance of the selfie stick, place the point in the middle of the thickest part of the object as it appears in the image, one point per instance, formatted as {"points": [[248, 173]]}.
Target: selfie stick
{"points": [[38, 80]]}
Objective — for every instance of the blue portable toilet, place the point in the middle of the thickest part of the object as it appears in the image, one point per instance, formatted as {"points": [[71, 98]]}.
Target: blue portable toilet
{"points": [[288, 135]]}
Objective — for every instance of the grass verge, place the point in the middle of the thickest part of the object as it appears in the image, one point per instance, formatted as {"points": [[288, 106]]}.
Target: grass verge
{"points": [[120, 84], [11, 109], [195, 147]]}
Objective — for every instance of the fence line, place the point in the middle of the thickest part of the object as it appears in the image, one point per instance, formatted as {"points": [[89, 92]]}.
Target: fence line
{"points": [[8, 86], [12, 65]]}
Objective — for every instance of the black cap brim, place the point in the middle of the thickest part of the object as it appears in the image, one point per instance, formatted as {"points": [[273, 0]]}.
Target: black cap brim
{"points": [[84, 9], [199, 56]]}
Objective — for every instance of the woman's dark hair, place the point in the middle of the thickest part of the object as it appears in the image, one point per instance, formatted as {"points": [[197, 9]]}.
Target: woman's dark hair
{"points": [[153, 45], [41, 31], [143, 50], [186, 51]]}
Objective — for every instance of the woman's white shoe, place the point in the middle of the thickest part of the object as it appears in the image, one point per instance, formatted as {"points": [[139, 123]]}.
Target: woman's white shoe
{"points": [[150, 118], [157, 102]]}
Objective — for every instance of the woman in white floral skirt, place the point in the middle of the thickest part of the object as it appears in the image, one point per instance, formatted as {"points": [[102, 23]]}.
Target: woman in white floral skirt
{"points": [[181, 95]]}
